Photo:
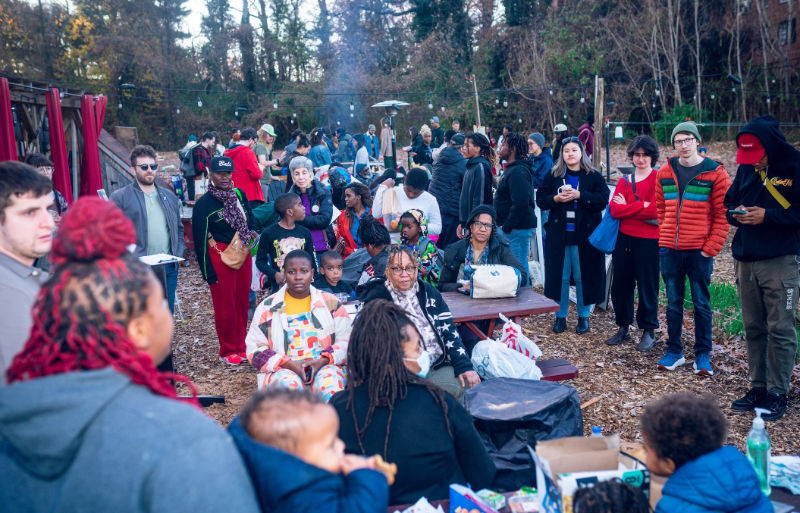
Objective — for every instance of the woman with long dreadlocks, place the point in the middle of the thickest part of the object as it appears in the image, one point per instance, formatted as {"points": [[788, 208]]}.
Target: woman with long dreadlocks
{"points": [[88, 423], [451, 367], [389, 408]]}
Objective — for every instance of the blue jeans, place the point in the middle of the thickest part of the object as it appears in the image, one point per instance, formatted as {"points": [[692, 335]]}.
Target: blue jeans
{"points": [[676, 266], [171, 272], [572, 267], [520, 244]]}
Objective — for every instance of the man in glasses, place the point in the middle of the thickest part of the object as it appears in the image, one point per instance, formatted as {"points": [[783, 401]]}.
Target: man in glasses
{"points": [[26, 233], [155, 213], [690, 190], [45, 166]]}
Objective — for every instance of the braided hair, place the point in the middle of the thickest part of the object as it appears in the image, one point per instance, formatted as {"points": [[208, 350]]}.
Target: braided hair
{"points": [[380, 366], [482, 142], [518, 143], [81, 313], [373, 232], [610, 497]]}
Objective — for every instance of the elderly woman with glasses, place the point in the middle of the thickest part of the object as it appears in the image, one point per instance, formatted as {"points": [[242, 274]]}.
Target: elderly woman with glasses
{"points": [[451, 368]]}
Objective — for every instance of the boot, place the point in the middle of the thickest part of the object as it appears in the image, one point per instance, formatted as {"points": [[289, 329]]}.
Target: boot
{"points": [[560, 325], [647, 341], [617, 338], [583, 325], [754, 398]]}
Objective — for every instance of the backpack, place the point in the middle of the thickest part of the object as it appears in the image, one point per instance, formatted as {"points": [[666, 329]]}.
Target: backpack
{"points": [[187, 162]]}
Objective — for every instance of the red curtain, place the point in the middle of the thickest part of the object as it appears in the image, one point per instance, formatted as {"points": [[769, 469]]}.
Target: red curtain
{"points": [[58, 145], [93, 113], [8, 145]]}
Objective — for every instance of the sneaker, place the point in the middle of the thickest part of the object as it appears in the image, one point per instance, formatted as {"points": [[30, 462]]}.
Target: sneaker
{"points": [[232, 359], [619, 337], [702, 365], [754, 398], [671, 361], [776, 404], [243, 356], [583, 325], [560, 325], [647, 341]]}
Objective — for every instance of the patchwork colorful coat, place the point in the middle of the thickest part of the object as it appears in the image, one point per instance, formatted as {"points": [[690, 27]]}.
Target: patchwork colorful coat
{"points": [[267, 339]]}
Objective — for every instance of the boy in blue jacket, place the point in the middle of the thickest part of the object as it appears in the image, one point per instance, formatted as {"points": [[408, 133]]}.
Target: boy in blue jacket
{"points": [[683, 436], [289, 441]]}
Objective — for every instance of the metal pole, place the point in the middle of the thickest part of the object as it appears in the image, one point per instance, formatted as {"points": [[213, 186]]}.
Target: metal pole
{"points": [[394, 149], [477, 105], [608, 150]]}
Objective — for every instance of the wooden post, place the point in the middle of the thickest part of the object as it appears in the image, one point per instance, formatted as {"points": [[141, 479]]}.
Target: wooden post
{"points": [[599, 95], [477, 105]]}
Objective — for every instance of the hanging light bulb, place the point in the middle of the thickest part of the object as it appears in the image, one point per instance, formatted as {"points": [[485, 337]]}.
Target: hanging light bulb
{"points": [[338, 122], [713, 95], [294, 114], [565, 114], [119, 105], [520, 120], [275, 103], [769, 100], [430, 101], [351, 114], [496, 99], [658, 91], [773, 80], [583, 97], [654, 105], [352, 107], [443, 107], [694, 97], [291, 121], [551, 91], [61, 94], [505, 101], [733, 89], [236, 112], [199, 103], [178, 110]]}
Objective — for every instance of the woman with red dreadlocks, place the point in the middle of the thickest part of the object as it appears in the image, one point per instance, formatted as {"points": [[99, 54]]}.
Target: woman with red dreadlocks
{"points": [[87, 422]]}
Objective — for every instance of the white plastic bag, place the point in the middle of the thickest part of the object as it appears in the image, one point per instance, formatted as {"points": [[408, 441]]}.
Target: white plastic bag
{"points": [[514, 338], [493, 359]]}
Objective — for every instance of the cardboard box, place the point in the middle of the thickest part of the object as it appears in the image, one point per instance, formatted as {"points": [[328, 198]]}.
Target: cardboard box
{"points": [[576, 461]]}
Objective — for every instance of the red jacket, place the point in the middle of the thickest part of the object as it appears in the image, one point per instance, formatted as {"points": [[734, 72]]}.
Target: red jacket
{"points": [[632, 214], [697, 220], [343, 224], [246, 173]]}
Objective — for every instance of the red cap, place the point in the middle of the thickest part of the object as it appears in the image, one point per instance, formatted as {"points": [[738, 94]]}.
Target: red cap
{"points": [[750, 149]]}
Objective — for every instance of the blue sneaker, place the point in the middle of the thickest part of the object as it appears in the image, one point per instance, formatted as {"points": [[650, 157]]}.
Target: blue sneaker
{"points": [[702, 365], [671, 361]]}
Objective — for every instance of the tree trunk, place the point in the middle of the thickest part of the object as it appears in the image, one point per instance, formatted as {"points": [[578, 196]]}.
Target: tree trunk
{"points": [[698, 67]]}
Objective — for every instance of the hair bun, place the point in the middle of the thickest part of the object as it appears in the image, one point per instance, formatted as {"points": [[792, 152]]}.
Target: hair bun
{"points": [[91, 229]]}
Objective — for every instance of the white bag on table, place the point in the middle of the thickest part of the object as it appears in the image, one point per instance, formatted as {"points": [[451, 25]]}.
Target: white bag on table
{"points": [[514, 338], [493, 359]]}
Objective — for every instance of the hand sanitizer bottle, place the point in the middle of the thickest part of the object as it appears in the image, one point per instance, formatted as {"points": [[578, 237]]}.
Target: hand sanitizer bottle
{"points": [[758, 450]]}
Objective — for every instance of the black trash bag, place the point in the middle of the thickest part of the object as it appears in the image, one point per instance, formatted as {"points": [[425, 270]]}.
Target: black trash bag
{"points": [[512, 414]]}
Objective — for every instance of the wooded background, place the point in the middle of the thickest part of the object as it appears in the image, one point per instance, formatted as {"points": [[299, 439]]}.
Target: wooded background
{"points": [[306, 63]]}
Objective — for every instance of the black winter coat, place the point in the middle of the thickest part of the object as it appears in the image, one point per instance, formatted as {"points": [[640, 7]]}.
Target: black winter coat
{"points": [[499, 254], [448, 176], [477, 187], [514, 202], [318, 196], [593, 200], [779, 234], [438, 314]]}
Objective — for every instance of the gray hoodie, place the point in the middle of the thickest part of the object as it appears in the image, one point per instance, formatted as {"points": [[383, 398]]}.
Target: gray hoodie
{"points": [[95, 441]]}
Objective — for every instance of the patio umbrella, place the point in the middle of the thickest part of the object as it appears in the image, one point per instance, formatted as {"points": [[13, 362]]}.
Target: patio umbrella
{"points": [[8, 145], [93, 113]]}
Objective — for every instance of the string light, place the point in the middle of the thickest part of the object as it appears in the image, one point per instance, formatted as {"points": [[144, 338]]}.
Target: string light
{"points": [[551, 91], [119, 105], [520, 120], [430, 102], [199, 103], [713, 95], [443, 107], [769, 100], [351, 115], [583, 97], [178, 110], [658, 91], [496, 100], [338, 123], [294, 114], [352, 107], [733, 89], [275, 102], [565, 114], [505, 101]]}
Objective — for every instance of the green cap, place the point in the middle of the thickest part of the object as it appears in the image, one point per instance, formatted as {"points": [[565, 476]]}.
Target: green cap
{"points": [[689, 127]]}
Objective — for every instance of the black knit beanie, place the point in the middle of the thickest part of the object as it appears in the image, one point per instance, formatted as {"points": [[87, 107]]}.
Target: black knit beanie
{"points": [[482, 209]]}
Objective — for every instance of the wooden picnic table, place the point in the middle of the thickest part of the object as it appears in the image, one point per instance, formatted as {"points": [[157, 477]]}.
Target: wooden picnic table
{"points": [[529, 302]]}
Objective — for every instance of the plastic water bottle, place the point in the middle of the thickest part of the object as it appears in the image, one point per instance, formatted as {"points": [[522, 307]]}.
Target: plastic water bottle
{"points": [[597, 432], [758, 450]]}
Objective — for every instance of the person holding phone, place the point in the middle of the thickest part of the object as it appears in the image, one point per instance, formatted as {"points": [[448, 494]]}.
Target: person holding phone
{"points": [[298, 337]]}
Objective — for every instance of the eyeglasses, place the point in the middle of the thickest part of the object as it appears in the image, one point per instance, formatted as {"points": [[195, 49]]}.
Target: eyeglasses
{"points": [[46, 170], [482, 226], [144, 167], [683, 142], [411, 269]]}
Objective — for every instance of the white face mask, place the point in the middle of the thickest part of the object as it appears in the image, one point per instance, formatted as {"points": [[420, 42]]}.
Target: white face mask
{"points": [[424, 362]]}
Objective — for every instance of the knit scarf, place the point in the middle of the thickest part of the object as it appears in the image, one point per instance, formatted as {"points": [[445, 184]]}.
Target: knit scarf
{"points": [[409, 302], [232, 212]]}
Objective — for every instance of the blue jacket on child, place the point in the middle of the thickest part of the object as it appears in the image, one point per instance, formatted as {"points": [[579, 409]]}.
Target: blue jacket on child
{"points": [[720, 481], [285, 483]]}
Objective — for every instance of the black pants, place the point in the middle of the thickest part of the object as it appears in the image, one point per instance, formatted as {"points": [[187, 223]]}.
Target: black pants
{"points": [[190, 188], [635, 265], [448, 235]]}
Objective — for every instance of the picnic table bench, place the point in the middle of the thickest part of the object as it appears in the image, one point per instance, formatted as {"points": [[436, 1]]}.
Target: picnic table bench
{"points": [[529, 302]]}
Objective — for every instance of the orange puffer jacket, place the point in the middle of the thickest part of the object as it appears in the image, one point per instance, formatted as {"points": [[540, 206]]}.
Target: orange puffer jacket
{"points": [[696, 221]]}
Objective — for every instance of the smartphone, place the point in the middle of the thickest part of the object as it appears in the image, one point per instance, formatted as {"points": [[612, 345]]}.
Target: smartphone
{"points": [[735, 211]]}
